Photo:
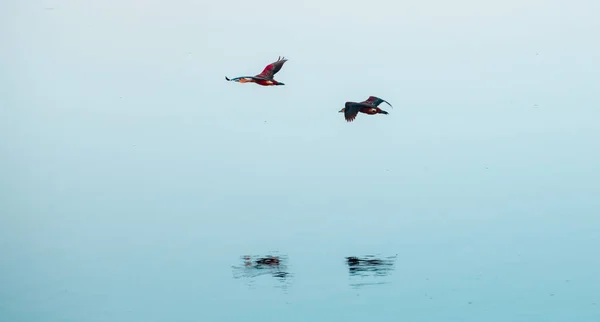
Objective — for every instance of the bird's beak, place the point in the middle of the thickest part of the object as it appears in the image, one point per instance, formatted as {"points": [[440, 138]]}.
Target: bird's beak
{"points": [[280, 83]]}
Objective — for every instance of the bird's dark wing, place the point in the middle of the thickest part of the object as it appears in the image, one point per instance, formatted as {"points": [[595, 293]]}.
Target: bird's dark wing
{"points": [[272, 68], [351, 110], [375, 101]]}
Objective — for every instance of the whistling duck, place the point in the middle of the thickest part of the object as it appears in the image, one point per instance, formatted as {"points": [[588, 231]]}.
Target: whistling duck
{"points": [[368, 106], [265, 78]]}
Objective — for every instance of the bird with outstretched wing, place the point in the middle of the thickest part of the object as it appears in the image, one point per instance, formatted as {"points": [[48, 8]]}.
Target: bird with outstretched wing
{"points": [[368, 106], [265, 78]]}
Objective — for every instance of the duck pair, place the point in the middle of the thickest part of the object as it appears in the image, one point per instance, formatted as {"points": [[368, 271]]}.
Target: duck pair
{"points": [[369, 106]]}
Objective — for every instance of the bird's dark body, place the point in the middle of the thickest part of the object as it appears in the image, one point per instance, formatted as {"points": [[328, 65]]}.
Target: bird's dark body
{"points": [[368, 106]]}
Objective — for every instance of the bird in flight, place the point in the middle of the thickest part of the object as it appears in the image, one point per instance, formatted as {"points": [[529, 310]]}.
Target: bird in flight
{"points": [[265, 78], [368, 106]]}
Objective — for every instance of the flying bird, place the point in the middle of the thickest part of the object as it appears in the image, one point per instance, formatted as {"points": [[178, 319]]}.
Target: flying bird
{"points": [[265, 78], [368, 106]]}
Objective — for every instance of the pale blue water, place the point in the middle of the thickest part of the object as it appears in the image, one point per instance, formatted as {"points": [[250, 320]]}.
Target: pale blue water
{"points": [[134, 179]]}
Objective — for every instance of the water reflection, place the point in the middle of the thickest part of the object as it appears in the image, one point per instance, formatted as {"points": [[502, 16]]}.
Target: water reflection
{"points": [[256, 266], [369, 269]]}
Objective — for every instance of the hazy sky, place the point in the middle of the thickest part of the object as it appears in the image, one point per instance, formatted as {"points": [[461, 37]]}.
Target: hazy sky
{"points": [[122, 146]]}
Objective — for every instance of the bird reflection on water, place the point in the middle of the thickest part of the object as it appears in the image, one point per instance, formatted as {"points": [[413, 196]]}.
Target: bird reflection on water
{"points": [[256, 266], [369, 269]]}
